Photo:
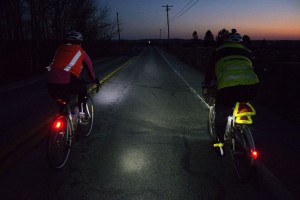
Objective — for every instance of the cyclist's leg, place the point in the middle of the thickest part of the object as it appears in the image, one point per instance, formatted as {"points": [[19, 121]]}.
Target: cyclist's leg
{"points": [[59, 91], [222, 112], [224, 104], [87, 122], [79, 88]]}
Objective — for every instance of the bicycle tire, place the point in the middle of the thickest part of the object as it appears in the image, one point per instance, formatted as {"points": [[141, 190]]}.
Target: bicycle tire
{"points": [[240, 152], [59, 143], [211, 123], [86, 124]]}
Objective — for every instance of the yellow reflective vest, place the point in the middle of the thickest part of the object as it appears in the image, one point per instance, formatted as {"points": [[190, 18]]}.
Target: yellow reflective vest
{"points": [[233, 67]]}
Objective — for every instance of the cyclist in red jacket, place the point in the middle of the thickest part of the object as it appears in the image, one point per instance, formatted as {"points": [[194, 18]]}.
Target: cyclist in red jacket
{"points": [[65, 70]]}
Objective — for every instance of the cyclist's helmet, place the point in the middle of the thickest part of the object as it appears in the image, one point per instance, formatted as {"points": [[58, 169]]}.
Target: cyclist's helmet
{"points": [[74, 36], [234, 37]]}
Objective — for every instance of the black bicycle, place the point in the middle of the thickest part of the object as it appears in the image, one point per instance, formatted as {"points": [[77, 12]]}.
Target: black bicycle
{"points": [[67, 125], [238, 137]]}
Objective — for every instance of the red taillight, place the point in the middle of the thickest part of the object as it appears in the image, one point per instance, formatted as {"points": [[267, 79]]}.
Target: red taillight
{"points": [[58, 124], [254, 154]]}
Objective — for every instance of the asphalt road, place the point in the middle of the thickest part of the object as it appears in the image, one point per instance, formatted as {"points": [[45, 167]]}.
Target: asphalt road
{"points": [[149, 141]]}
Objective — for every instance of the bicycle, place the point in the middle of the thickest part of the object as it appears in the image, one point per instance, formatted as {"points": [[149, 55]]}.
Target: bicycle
{"points": [[65, 127], [238, 137]]}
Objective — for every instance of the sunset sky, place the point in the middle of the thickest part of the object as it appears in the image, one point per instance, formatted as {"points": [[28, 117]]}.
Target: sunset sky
{"points": [[260, 19]]}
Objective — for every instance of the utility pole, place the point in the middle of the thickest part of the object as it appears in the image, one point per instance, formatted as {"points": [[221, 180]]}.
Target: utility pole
{"points": [[167, 9], [118, 26], [160, 33]]}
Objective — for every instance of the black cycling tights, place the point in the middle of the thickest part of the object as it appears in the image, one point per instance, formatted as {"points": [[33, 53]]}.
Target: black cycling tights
{"points": [[65, 91]]}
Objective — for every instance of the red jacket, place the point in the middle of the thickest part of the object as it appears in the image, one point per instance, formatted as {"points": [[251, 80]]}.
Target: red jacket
{"points": [[69, 58]]}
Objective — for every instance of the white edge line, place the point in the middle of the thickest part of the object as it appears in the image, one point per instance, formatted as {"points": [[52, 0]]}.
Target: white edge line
{"points": [[186, 83]]}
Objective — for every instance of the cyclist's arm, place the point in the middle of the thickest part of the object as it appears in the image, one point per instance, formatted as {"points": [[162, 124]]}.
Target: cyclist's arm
{"points": [[87, 63], [210, 71]]}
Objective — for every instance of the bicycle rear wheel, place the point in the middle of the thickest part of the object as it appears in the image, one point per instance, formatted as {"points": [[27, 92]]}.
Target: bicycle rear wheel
{"points": [[86, 124], [59, 144], [241, 147]]}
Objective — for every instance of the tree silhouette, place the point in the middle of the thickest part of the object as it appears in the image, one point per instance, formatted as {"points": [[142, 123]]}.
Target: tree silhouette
{"points": [[49, 19], [195, 35], [32, 28], [222, 35], [247, 42], [209, 36], [209, 39]]}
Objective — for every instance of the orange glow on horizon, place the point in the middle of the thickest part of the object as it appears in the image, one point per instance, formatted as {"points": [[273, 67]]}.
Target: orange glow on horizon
{"points": [[284, 31]]}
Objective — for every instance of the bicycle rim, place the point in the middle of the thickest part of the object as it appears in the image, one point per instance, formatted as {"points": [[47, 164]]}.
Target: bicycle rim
{"points": [[211, 124], [86, 124], [240, 151], [59, 144]]}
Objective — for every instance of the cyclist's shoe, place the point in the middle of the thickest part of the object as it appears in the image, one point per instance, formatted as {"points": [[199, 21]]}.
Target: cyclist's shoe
{"points": [[81, 115], [219, 149]]}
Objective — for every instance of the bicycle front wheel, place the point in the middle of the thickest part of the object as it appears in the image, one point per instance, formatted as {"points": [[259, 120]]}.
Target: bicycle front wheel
{"points": [[211, 123], [241, 147], [59, 144], [86, 124]]}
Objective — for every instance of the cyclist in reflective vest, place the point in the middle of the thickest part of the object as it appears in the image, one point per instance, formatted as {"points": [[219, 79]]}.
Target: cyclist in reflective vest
{"points": [[65, 70], [231, 67]]}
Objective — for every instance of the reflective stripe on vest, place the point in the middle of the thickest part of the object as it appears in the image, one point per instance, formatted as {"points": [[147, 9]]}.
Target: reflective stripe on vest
{"points": [[240, 76], [73, 61], [235, 70]]}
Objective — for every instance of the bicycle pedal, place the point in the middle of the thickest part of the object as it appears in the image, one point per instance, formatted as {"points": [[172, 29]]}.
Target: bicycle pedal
{"points": [[218, 147]]}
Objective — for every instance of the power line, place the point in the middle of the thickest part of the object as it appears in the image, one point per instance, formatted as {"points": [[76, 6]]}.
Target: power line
{"points": [[182, 9], [179, 15]]}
